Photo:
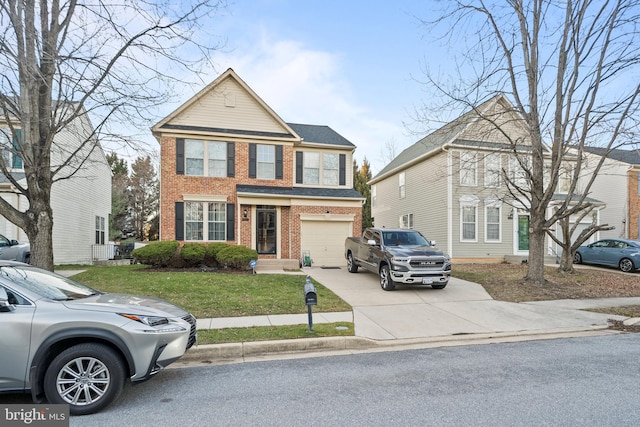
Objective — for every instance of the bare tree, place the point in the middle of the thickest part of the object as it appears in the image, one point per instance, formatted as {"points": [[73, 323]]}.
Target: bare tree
{"points": [[59, 61], [570, 69]]}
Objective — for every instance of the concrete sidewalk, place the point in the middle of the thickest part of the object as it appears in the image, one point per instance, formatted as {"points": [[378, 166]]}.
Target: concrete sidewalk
{"points": [[413, 317]]}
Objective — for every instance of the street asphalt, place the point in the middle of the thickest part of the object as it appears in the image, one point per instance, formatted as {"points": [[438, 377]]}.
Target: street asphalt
{"points": [[412, 317]]}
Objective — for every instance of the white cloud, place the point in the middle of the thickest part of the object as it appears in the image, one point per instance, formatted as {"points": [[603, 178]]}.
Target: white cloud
{"points": [[303, 85]]}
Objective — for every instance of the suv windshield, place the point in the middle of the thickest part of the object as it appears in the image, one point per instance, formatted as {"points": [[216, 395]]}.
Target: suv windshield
{"points": [[46, 284]]}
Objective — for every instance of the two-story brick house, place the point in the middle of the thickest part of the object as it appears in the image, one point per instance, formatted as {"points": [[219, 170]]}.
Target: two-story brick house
{"points": [[232, 170], [450, 186]]}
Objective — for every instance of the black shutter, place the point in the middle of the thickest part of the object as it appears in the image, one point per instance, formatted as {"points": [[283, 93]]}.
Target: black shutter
{"points": [[299, 165], [231, 221], [343, 169], [252, 160], [179, 220], [180, 156], [231, 159], [278, 161]]}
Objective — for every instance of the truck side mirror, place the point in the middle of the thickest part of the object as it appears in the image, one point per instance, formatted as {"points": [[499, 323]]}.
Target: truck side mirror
{"points": [[371, 242]]}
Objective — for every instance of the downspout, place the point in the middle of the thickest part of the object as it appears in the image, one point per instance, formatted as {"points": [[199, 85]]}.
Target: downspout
{"points": [[449, 201]]}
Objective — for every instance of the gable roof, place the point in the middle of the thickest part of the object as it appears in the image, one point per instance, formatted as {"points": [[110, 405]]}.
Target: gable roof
{"points": [[317, 134], [444, 137], [283, 130], [631, 157]]}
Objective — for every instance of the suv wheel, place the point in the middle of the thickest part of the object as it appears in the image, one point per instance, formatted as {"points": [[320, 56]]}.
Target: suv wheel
{"points": [[386, 282], [87, 377]]}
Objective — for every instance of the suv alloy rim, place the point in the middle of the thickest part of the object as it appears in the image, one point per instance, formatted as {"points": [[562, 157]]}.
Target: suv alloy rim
{"points": [[83, 381]]}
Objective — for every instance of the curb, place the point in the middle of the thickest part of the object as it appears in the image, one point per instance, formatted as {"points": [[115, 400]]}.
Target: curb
{"points": [[233, 352]]}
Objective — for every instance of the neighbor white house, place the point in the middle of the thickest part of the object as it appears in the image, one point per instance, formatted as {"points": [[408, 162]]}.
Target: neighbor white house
{"points": [[450, 187], [81, 201]]}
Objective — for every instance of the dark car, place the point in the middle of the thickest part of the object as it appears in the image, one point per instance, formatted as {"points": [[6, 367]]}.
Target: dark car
{"points": [[621, 253]]}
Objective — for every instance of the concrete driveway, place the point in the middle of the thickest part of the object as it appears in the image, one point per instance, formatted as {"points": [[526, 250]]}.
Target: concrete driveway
{"points": [[413, 312]]}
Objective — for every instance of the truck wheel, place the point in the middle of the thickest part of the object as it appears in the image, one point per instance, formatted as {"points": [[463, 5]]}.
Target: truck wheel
{"points": [[386, 282], [351, 266], [87, 377]]}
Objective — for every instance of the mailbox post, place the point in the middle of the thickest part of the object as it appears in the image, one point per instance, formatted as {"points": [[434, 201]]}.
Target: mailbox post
{"points": [[310, 299]]}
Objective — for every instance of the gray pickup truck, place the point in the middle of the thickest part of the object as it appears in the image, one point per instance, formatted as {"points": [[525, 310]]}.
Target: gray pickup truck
{"points": [[398, 256]]}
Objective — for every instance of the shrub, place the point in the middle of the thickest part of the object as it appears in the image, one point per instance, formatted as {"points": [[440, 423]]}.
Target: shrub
{"points": [[236, 256], [157, 254], [211, 255], [193, 254]]}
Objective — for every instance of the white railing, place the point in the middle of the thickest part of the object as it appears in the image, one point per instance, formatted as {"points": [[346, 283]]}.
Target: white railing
{"points": [[103, 252]]}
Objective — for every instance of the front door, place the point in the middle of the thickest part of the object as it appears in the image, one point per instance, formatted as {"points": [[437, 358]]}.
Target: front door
{"points": [[266, 229], [523, 233]]}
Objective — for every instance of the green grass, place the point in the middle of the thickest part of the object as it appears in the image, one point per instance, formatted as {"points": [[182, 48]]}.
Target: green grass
{"points": [[213, 294], [261, 333]]}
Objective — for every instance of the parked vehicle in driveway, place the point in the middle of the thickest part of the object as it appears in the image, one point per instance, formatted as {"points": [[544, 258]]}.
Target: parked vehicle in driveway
{"points": [[621, 253], [14, 251], [67, 343], [398, 256]]}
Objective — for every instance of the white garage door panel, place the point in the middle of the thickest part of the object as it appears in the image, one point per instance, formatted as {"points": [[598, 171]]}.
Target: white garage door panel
{"points": [[325, 241]]}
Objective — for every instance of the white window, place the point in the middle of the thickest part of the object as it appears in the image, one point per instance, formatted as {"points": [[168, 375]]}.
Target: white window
{"points": [[330, 169], [311, 168], [565, 178], [469, 219], [197, 151], [492, 170], [266, 161], [406, 221], [493, 223], [215, 227], [100, 230], [517, 172], [468, 168], [401, 185]]}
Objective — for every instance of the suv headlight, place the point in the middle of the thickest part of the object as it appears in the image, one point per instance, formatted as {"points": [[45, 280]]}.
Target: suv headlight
{"points": [[147, 320]]}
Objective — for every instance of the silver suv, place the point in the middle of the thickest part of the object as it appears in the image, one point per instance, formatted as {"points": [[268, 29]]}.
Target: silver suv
{"points": [[69, 344]]}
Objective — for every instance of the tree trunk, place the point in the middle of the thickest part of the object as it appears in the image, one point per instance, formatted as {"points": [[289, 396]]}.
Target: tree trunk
{"points": [[535, 265], [39, 230], [566, 261]]}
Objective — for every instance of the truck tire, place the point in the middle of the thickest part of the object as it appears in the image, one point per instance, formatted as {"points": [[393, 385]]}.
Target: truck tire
{"points": [[386, 282], [351, 265]]}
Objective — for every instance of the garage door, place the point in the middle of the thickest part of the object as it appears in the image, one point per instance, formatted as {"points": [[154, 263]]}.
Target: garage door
{"points": [[325, 241]]}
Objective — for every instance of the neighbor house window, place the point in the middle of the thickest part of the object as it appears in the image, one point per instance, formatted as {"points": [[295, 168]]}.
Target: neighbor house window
{"points": [[401, 185], [100, 230], [468, 168], [266, 162], [492, 170], [10, 148], [196, 151], [374, 199], [311, 168], [517, 172], [493, 226], [469, 218], [195, 226], [406, 221]]}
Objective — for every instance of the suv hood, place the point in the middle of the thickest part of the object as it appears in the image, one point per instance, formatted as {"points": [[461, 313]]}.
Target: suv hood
{"points": [[126, 304], [407, 251]]}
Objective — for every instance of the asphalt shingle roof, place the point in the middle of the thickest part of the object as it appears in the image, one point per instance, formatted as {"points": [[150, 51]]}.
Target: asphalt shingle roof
{"points": [[320, 135], [627, 156], [299, 191]]}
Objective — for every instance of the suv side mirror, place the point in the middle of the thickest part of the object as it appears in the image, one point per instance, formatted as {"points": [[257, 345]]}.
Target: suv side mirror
{"points": [[5, 307], [13, 242]]}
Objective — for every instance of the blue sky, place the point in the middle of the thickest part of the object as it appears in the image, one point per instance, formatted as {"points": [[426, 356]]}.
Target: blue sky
{"points": [[350, 65]]}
